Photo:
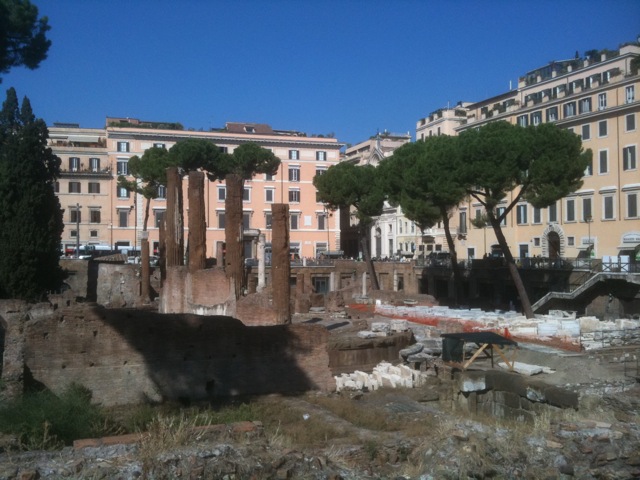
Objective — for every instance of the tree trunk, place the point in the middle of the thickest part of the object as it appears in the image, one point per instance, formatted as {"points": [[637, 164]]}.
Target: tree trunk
{"points": [[197, 227], [174, 233], [513, 269], [455, 268], [367, 258], [234, 257]]}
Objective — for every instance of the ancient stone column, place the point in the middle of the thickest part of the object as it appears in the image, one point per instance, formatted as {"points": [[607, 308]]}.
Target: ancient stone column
{"points": [[261, 263], [197, 225], [174, 234], [234, 258], [280, 262], [145, 273]]}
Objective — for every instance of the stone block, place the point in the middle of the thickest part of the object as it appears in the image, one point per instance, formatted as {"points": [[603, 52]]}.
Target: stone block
{"points": [[471, 381]]}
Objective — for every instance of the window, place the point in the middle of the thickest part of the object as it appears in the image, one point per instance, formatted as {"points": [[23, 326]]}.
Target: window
{"points": [[73, 233], [94, 164], [571, 241], [75, 216], [268, 217], [608, 207], [499, 213], [249, 129], [602, 128], [589, 170], [122, 192], [630, 122], [56, 187], [122, 167], [94, 215], [123, 218], [322, 221], [586, 132], [585, 105], [94, 187], [268, 177], [321, 171], [629, 158], [269, 195], [158, 218], [569, 109], [602, 101], [246, 194], [74, 187], [523, 120], [294, 221], [321, 156], [74, 164], [294, 154], [552, 114], [93, 233], [571, 210], [603, 161], [294, 174], [462, 222], [552, 211], [221, 222], [537, 215], [246, 220], [536, 241], [586, 210], [123, 146], [162, 191], [630, 94], [159, 145], [536, 118], [521, 214], [222, 193], [294, 196], [632, 205]]}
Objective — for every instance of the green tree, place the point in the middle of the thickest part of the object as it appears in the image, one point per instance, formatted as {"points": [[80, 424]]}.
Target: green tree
{"points": [[503, 164], [348, 186], [149, 173], [418, 177], [30, 214], [23, 39]]}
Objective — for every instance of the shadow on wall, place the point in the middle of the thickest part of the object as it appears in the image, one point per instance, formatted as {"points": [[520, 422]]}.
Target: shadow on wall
{"points": [[128, 356]]}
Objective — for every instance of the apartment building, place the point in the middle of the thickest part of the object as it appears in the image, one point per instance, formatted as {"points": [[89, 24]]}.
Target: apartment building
{"points": [[595, 96], [122, 214]]}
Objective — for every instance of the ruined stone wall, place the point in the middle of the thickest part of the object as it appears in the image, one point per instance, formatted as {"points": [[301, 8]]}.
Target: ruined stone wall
{"points": [[349, 353], [205, 292], [507, 395], [129, 356]]}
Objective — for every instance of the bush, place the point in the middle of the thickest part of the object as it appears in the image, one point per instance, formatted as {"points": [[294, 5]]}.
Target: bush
{"points": [[45, 421]]}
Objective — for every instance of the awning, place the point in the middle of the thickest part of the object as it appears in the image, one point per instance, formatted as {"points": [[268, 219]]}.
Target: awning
{"points": [[84, 138]]}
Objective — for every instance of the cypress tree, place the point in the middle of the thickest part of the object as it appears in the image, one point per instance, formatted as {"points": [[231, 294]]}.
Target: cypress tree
{"points": [[30, 213]]}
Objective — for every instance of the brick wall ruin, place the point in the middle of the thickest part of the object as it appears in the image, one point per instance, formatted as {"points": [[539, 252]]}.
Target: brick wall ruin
{"points": [[129, 356]]}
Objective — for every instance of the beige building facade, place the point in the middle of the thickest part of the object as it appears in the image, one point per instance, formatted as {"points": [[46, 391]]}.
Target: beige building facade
{"points": [[119, 223], [597, 98]]}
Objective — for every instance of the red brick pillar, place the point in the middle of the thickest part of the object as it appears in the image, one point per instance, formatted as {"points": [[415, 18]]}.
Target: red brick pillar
{"points": [[145, 269], [174, 233], [280, 262], [197, 226], [234, 258]]}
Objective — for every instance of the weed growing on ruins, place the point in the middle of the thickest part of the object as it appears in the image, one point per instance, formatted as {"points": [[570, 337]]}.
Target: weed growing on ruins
{"points": [[44, 421]]}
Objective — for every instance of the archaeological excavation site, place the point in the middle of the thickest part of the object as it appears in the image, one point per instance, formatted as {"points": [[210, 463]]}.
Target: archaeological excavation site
{"points": [[460, 382]]}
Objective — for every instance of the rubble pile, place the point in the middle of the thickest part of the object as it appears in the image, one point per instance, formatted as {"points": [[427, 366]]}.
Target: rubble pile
{"points": [[384, 375], [588, 332]]}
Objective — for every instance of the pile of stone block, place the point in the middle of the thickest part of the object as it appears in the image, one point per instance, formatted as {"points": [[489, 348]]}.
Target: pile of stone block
{"points": [[384, 375], [383, 329]]}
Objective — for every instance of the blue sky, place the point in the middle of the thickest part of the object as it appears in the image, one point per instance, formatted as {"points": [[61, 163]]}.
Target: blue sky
{"points": [[348, 67]]}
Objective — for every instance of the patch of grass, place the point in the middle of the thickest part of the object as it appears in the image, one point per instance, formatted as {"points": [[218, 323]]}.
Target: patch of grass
{"points": [[44, 421], [358, 414]]}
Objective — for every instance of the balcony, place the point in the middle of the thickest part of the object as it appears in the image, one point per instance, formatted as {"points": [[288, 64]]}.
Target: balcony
{"points": [[87, 172]]}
